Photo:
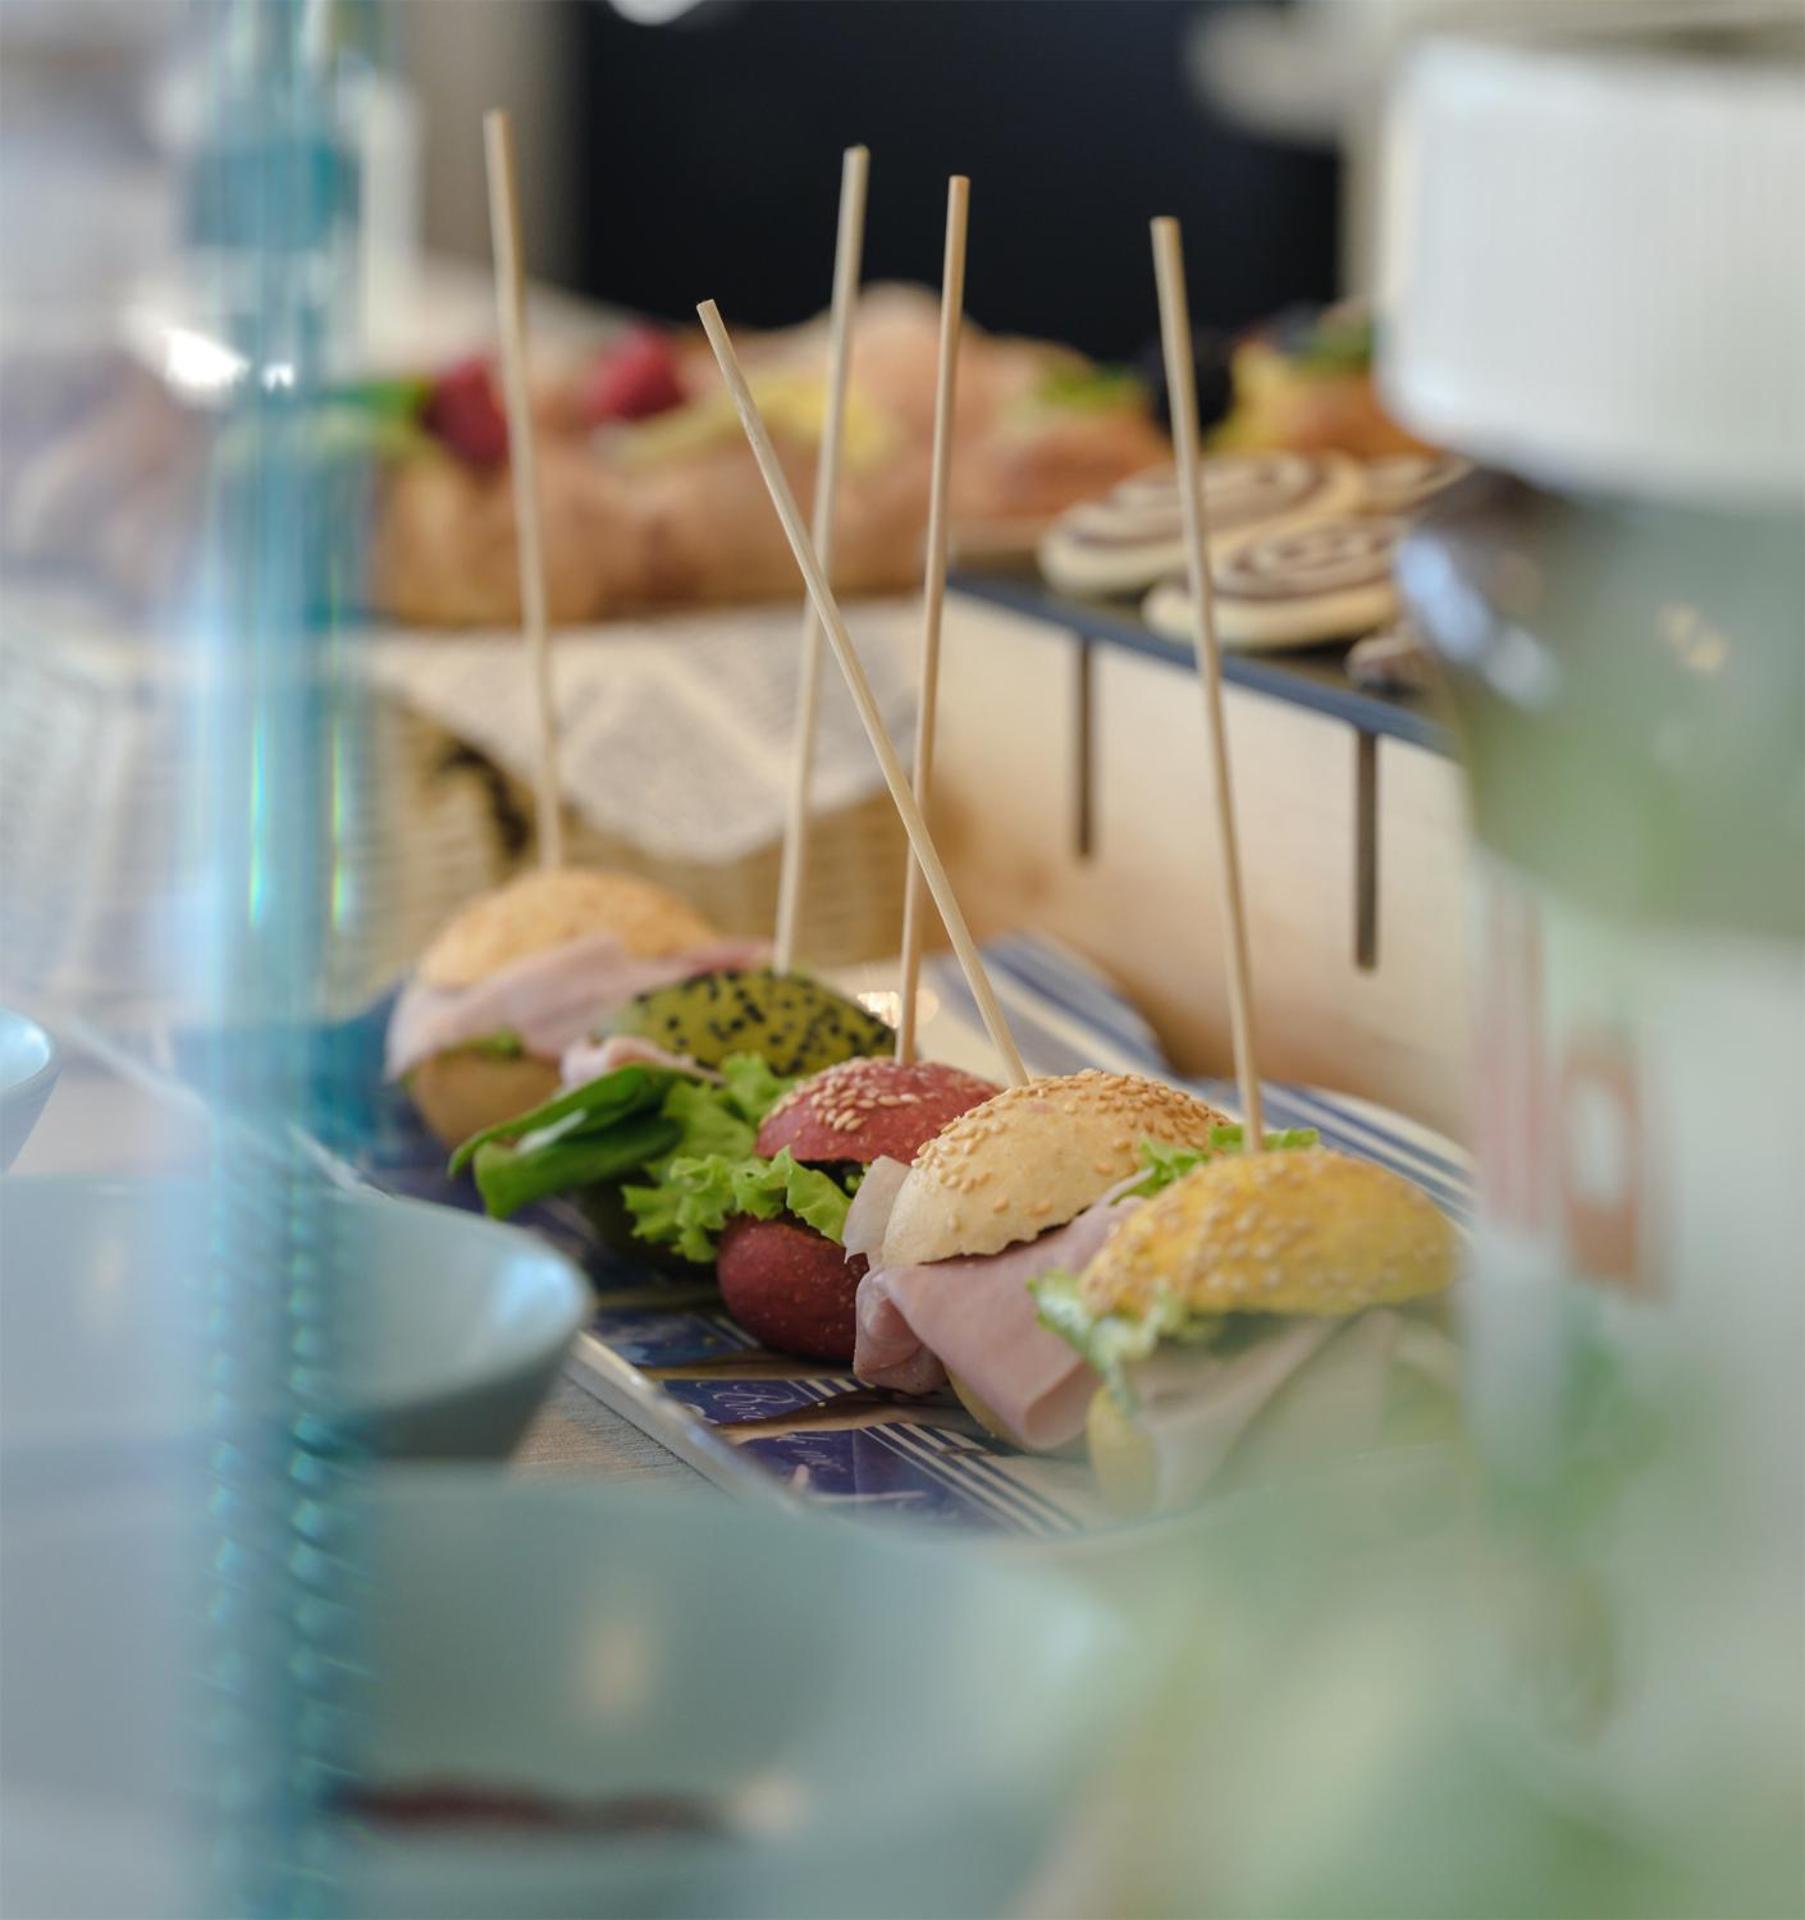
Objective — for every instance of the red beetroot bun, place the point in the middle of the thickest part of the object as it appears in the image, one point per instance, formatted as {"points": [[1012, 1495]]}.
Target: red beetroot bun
{"points": [[790, 1287], [864, 1109]]}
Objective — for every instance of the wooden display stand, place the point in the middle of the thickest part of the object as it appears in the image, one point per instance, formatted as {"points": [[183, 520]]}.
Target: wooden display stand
{"points": [[1070, 788]]}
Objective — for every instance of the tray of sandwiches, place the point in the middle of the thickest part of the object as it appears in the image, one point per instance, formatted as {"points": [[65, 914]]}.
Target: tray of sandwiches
{"points": [[822, 1277], [951, 1239]]}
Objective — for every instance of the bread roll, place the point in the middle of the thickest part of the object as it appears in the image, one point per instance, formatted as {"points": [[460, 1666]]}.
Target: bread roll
{"points": [[1298, 1231], [462, 1092], [1033, 1158], [543, 909]]}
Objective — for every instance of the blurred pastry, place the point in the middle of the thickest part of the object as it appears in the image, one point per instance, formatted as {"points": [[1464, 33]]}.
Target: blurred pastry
{"points": [[1134, 536], [1407, 482], [1294, 587], [650, 496], [1306, 383]]}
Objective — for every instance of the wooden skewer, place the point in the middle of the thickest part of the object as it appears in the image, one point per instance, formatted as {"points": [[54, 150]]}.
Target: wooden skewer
{"points": [[863, 699], [510, 306], [1181, 386], [855, 168], [933, 597]]}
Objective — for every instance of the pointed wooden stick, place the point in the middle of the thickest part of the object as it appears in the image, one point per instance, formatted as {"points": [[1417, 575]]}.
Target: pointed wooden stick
{"points": [[1181, 387], [510, 306], [895, 778], [933, 593], [849, 247]]}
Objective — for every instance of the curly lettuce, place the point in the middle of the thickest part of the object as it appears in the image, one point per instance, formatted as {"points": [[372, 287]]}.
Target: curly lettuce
{"points": [[1111, 1343], [503, 1044], [1166, 1163], [693, 1199]]}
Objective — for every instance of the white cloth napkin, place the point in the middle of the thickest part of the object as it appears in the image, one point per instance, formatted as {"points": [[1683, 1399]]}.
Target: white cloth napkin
{"points": [[1316, 1389]]}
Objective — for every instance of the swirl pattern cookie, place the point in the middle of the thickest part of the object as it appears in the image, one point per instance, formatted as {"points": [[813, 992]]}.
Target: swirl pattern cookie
{"points": [[1294, 586], [1403, 482], [1134, 536]]}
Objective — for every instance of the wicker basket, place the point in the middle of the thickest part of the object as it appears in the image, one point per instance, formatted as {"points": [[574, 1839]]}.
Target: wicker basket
{"points": [[105, 856], [104, 862]]}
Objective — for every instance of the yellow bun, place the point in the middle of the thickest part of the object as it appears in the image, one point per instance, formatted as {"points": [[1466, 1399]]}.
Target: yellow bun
{"points": [[460, 1093], [991, 1422], [1033, 1158], [1121, 1457], [537, 911], [1287, 1231]]}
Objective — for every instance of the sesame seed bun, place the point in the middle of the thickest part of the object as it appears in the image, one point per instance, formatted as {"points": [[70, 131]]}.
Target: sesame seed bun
{"points": [[461, 1092], [864, 1109], [1033, 1158], [792, 1288], [537, 911], [1290, 1231]]}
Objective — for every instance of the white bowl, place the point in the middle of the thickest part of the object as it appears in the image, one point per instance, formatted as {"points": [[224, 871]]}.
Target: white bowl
{"points": [[144, 1321], [29, 1065], [887, 1722]]}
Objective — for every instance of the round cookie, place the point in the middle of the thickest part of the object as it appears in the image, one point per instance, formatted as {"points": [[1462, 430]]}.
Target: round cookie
{"points": [[1135, 535], [1293, 586], [1403, 482]]}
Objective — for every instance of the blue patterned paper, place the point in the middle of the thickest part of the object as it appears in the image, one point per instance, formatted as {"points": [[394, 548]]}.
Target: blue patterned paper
{"points": [[728, 1402], [646, 1337], [868, 1468]]}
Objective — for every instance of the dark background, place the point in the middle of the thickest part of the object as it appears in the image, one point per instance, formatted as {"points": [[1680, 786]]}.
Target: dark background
{"points": [[709, 151]]}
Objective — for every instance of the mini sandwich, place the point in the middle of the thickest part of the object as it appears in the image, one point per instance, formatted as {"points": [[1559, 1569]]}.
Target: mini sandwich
{"points": [[1253, 1289], [795, 1023], [775, 1220], [684, 1080], [521, 973], [1021, 1186]]}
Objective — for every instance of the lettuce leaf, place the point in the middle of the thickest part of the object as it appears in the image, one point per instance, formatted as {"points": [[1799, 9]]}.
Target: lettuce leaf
{"points": [[723, 1120], [1091, 388], [750, 1088], [708, 1125], [1165, 1163], [601, 1103], [503, 1044], [695, 1197], [1110, 1343], [509, 1179], [638, 1118]]}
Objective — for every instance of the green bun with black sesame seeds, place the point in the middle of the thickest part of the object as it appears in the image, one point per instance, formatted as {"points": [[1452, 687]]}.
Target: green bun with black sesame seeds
{"points": [[792, 1021]]}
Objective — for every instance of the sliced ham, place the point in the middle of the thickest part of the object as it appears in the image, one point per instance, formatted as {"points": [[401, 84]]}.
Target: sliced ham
{"points": [[588, 1060], [976, 1318], [551, 999], [868, 1218]]}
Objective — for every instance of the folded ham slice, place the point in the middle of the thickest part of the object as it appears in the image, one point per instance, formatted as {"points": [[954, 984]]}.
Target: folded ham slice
{"points": [[868, 1218], [586, 1060], [550, 1000], [976, 1318]]}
